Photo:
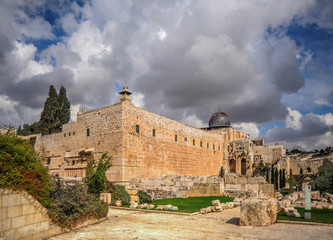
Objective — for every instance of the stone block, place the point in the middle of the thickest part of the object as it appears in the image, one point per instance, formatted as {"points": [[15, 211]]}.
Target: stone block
{"points": [[106, 197], [159, 207], [38, 217], [30, 229], [18, 221], [5, 225], [132, 191], [134, 205], [216, 203], [11, 200], [9, 234], [150, 206], [28, 209], [118, 203], [315, 195], [44, 226], [29, 219], [174, 208], [258, 212], [3, 214], [24, 200], [14, 211], [134, 199]]}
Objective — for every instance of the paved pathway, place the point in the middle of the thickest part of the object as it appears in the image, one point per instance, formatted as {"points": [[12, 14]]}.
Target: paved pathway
{"points": [[123, 224]]}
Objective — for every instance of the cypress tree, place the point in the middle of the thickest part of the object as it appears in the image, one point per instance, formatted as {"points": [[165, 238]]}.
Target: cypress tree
{"points": [[49, 120], [280, 178], [284, 178], [64, 105], [276, 178], [267, 177], [291, 180], [272, 176]]}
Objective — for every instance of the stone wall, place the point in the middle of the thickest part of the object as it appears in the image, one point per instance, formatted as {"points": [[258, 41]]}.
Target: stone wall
{"points": [[175, 186], [309, 163], [23, 217], [257, 185]]}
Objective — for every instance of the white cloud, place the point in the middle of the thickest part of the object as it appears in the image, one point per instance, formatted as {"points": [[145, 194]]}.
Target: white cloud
{"points": [[248, 128], [293, 120]]}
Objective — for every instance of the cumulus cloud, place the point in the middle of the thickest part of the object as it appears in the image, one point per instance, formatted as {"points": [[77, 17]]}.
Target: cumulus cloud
{"points": [[311, 131], [181, 59]]}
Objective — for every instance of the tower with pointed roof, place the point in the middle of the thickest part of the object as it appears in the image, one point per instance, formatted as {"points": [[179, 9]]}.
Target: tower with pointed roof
{"points": [[125, 95]]}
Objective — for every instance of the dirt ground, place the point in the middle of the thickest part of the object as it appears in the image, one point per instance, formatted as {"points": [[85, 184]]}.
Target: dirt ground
{"points": [[122, 224]]}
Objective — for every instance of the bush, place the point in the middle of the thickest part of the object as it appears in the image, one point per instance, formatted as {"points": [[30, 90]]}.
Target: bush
{"points": [[96, 174], [119, 193], [324, 181], [144, 197], [71, 204], [20, 168]]}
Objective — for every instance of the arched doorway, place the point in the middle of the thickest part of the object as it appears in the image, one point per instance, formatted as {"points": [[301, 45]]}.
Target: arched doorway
{"points": [[232, 165], [243, 166]]}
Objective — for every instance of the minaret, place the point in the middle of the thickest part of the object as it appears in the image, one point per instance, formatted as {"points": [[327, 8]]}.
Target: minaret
{"points": [[125, 95]]}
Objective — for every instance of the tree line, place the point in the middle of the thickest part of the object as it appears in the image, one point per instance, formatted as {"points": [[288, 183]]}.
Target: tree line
{"points": [[56, 112]]}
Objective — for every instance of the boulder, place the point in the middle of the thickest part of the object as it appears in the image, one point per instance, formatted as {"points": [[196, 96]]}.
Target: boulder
{"points": [[134, 199], [328, 196], [293, 214], [330, 207], [258, 212], [319, 206], [283, 204], [174, 208], [118, 203], [134, 205], [288, 209], [159, 207], [299, 204], [150, 206], [205, 210], [315, 195], [216, 203]]}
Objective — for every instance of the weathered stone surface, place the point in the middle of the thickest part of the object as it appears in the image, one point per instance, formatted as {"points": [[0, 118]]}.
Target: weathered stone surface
{"points": [[319, 206], [134, 205], [134, 199], [159, 207], [174, 208], [283, 204], [258, 212], [216, 203], [315, 195], [293, 214], [328, 197], [150, 206], [330, 207], [118, 203]]}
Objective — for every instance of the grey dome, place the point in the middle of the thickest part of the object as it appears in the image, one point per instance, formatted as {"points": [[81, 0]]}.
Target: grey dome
{"points": [[219, 119]]}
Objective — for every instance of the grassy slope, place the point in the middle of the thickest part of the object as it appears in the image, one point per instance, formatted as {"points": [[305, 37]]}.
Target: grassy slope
{"points": [[191, 204], [317, 215]]}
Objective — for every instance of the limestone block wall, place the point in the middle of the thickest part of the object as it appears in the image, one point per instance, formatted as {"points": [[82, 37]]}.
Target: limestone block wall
{"points": [[270, 153], [23, 217], [164, 146], [175, 186]]}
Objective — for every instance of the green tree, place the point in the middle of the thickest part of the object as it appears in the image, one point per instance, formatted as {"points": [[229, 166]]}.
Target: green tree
{"points": [[267, 177], [276, 178], [272, 176], [49, 120], [221, 173], [96, 174], [64, 105], [324, 181], [284, 178], [280, 178], [291, 180]]}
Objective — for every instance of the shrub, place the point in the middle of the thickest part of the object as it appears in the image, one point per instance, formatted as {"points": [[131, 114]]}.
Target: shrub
{"points": [[71, 203], [324, 181], [96, 174], [119, 193], [144, 197], [20, 168]]}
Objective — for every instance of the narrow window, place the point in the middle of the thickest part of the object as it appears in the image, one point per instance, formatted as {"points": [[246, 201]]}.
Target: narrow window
{"points": [[200, 143], [153, 132], [73, 133], [185, 139], [137, 128], [48, 160], [219, 148], [175, 138], [213, 146], [69, 134], [207, 145], [88, 132], [193, 142], [64, 134]]}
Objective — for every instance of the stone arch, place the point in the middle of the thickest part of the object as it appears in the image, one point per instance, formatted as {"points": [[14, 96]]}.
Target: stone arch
{"points": [[243, 166], [232, 165]]}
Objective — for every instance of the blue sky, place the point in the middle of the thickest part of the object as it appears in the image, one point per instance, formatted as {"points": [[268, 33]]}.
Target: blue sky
{"points": [[267, 64]]}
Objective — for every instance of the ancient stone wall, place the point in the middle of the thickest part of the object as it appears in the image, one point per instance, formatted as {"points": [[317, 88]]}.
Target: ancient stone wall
{"points": [[164, 146], [269, 153], [176, 186], [94, 133], [23, 217], [309, 163]]}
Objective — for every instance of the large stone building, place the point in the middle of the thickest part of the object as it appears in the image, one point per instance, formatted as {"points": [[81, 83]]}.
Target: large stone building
{"points": [[146, 145]]}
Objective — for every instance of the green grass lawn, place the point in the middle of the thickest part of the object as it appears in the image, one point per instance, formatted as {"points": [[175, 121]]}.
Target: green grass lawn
{"points": [[317, 215], [191, 204]]}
